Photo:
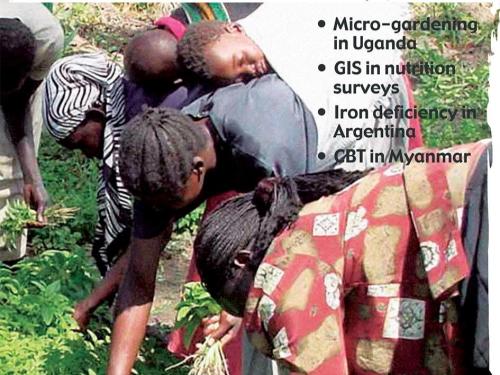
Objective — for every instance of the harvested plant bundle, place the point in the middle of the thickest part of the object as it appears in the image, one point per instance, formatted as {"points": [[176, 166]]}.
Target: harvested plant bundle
{"points": [[196, 304], [19, 216]]}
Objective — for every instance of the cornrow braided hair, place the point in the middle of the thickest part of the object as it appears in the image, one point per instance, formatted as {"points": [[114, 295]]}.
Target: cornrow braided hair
{"points": [[259, 216], [192, 46], [157, 150], [17, 48]]}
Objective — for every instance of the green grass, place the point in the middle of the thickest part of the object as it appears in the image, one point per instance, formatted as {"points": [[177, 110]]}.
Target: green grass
{"points": [[106, 27], [468, 87]]}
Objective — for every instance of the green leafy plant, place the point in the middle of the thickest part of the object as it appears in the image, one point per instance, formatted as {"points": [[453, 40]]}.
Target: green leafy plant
{"points": [[71, 179], [14, 223], [37, 332], [196, 304], [20, 216], [189, 223]]}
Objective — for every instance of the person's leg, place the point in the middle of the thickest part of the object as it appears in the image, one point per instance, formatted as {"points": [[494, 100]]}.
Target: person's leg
{"points": [[10, 190], [256, 363], [474, 290], [34, 118], [11, 185]]}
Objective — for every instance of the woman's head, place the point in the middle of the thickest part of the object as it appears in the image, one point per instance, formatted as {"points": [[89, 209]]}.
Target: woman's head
{"points": [[221, 52], [81, 92], [164, 157], [223, 248], [88, 137], [233, 240]]}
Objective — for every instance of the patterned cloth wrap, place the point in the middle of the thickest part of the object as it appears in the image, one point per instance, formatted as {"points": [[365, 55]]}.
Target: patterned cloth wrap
{"points": [[362, 282], [73, 85]]}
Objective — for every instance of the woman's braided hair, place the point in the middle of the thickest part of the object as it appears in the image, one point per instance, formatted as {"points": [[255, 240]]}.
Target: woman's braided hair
{"points": [[157, 151], [258, 216]]}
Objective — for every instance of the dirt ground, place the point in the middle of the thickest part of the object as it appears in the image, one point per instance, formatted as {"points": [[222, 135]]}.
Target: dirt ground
{"points": [[170, 278]]}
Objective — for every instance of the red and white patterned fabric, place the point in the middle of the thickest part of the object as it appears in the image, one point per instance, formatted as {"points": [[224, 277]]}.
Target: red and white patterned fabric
{"points": [[362, 282]]}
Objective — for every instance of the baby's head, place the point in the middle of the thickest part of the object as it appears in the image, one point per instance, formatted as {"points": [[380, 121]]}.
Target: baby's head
{"points": [[221, 52], [151, 59]]}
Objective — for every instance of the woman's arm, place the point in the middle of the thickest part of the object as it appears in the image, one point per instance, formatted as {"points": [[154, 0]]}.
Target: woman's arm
{"points": [[106, 288], [15, 106], [135, 298]]}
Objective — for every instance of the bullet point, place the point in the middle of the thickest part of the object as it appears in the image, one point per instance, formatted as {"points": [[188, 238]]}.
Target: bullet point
{"points": [[321, 155], [321, 67], [321, 111], [321, 23]]}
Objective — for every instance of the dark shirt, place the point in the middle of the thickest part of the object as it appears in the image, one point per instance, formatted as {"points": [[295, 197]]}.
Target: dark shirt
{"points": [[263, 129], [260, 129], [474, 314], [176, 96]]}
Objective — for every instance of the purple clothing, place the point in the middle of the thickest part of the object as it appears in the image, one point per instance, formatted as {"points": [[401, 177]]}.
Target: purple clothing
{"points": [[176, 97]]}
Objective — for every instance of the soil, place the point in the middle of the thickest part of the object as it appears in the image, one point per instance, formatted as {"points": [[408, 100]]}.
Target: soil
{"points": [[170, 278]]}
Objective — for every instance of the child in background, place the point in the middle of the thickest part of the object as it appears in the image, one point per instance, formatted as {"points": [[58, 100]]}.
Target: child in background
{"points": [[221, 52], [288, 41], [153, 75]]}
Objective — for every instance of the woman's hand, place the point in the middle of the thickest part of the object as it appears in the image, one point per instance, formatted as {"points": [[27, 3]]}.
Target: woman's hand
{"points": [[223, 327], [82, 314], [36, 196]]}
